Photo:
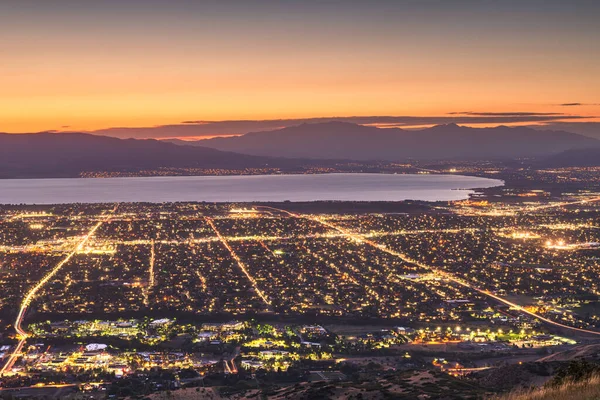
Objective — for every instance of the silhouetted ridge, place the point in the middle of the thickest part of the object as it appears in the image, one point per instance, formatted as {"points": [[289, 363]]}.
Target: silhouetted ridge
{"points": [[574, 158], [68, 154], [342, 140]]}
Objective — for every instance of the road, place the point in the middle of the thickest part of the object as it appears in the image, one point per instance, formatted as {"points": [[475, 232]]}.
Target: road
{"points": [[523, 310], [240, 263], [150, 283], [561, 204], [361, 239], [55, 247], [236, 353], [30, 297]]}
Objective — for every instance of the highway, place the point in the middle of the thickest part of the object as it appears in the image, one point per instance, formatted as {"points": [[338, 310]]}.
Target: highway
{"points": [[522, 309], [361, 239], [561, 204], [30, 297]]}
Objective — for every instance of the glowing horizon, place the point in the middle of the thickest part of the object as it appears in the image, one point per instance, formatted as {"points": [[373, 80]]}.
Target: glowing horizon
{"points": [[133, 63]]}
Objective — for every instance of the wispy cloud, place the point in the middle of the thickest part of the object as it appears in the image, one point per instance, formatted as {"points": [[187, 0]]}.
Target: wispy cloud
{"points": [[577, 104], [204, 128], [506, 114]]}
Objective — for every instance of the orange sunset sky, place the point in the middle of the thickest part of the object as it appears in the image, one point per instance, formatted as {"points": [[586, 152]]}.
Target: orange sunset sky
{"points": [[87, 65]]}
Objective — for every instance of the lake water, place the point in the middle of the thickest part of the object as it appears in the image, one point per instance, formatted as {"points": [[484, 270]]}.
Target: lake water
{"points": [[349, 187]]}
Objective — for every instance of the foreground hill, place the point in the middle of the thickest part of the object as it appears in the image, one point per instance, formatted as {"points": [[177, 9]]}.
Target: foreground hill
{"points": [[407, 385], [395, 385], [587, 389], [70, 154], [341, 140]]}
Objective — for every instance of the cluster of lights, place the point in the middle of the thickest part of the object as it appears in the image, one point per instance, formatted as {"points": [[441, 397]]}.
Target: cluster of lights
{"points": [[559, 244]]}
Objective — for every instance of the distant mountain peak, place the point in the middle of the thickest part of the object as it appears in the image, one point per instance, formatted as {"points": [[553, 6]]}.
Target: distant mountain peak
{"points": [[450, 127], [344, 140], [51, 154]]}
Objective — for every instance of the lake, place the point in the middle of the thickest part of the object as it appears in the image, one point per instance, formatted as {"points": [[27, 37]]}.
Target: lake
{"points": [[246, 188]]}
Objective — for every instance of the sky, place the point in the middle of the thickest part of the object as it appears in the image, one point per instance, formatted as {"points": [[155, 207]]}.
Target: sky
{"points": [[89, 65]]}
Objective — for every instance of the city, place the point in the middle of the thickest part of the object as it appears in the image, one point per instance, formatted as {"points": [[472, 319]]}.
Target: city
{"points": [[299, 200], [212, 294]]}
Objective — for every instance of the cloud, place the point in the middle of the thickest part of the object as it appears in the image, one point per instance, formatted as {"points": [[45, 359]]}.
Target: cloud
{"points": [[506, 114], [203, 128], [577, 104]]}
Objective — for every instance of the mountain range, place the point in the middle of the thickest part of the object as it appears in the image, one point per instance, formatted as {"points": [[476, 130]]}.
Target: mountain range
{"points": [[48, 154], [573, 158], [69, 154], [342, 140]]}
